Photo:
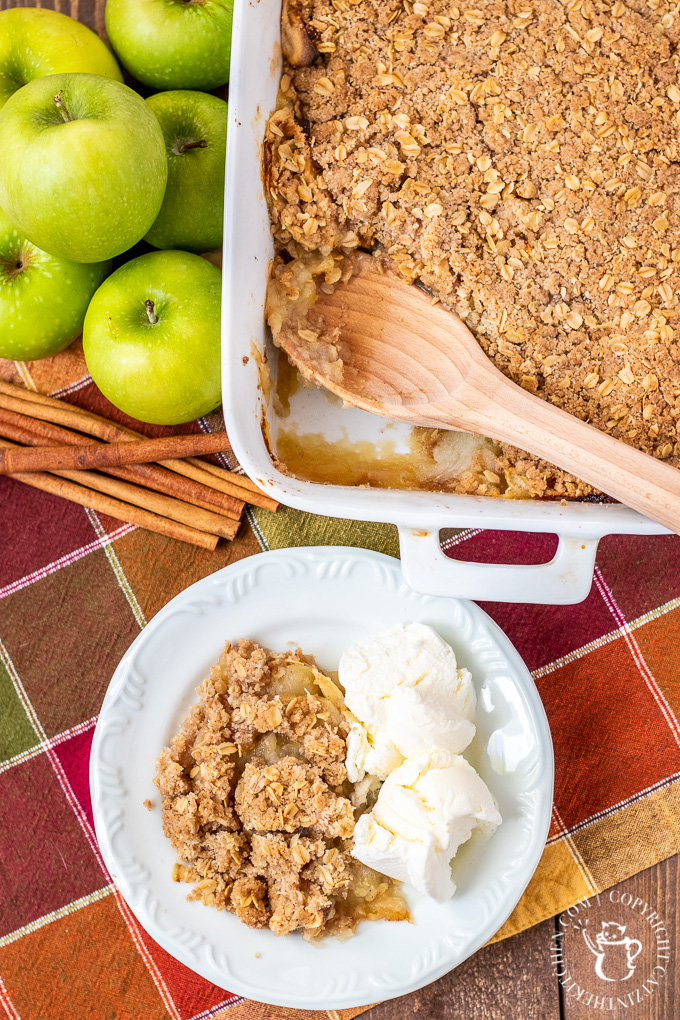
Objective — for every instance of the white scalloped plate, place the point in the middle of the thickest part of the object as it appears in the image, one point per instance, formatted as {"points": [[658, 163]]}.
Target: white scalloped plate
{"points": [[321, 599]]}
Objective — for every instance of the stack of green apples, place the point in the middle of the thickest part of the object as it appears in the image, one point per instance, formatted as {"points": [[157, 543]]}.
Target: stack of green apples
{"points": [[89, 169]]}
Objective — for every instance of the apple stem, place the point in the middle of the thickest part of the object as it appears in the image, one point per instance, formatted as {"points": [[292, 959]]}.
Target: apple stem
{"points": [[61, 106], [151, 313], [192, 145]]}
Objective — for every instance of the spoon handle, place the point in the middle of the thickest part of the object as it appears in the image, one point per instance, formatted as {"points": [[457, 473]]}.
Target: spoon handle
{"points": [[502, 410]]}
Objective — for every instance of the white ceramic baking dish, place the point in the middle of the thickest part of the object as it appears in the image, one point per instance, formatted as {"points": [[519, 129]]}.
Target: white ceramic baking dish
{"points": [[255, 73]]}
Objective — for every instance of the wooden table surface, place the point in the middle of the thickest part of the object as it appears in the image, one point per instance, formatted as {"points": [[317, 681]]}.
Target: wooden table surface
{"points": [[517, 979]]}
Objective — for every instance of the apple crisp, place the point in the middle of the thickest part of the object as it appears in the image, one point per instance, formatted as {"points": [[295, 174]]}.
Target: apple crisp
{"points": [[257, 804], [521, 159]]}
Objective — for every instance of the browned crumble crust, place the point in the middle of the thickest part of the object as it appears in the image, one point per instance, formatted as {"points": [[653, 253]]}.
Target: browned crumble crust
{"points": [[256, 799], [521, 159]]}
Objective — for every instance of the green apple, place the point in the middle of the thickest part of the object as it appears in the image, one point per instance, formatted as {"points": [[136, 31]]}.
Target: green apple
{"points": [[152, 337], [194, 126], [83, 168], [43, 300], [172, 44], [35, 42]]}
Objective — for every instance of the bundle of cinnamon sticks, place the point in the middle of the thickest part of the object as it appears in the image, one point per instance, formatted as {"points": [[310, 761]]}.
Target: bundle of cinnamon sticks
{"points": [[157, 484]]}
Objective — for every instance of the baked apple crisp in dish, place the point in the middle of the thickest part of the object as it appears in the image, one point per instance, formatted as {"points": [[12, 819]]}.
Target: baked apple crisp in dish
{"points": [[519, 160], [257, 803]]}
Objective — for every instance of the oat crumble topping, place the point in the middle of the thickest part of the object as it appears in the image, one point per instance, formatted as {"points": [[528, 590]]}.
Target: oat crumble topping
{"points": [[522, 160]]}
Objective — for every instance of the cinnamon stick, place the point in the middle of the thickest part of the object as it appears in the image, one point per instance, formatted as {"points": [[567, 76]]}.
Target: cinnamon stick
{"points": [[227, 482], [52, 410], [19, 434], [227, 476], [38, 429], [92, 456], [34, 432], [64, 414], [116, 508], [33, 397], [164, 506]]}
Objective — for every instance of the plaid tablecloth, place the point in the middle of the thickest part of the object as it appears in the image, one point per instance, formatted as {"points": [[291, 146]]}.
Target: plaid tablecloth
{"points": [[77, 587]]}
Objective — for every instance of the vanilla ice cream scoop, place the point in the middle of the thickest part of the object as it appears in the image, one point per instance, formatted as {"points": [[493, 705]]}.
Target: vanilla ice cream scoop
{"points": [[425, 810], [422, 718], [409, 697], [414, 713]]}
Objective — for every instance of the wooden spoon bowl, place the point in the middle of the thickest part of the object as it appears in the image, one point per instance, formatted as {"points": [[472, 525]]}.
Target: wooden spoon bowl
{"points": [[393, 352]]}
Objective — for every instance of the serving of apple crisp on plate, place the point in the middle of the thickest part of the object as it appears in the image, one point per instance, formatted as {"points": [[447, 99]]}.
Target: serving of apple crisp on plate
{"points": [[518, 159], [299, 800], [256, 799]]}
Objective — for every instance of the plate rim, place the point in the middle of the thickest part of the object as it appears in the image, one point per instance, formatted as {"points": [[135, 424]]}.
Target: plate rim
{"points": [[236, 985]]}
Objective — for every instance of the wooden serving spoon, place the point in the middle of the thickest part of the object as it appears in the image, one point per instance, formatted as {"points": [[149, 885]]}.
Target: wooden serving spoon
{"points": [[396, 354]]}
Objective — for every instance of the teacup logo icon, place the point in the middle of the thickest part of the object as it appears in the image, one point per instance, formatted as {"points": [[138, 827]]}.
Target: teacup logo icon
{"points": [[617, 954], [614, 951]]}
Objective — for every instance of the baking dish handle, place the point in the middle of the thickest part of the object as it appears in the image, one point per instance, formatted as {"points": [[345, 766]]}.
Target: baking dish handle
{"points": [[563, 580]]}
